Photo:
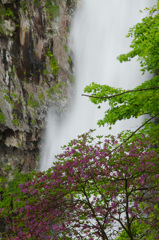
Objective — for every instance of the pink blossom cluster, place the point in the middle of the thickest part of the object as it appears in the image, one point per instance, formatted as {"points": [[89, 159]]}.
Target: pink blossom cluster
{"points": [[92, 192]]}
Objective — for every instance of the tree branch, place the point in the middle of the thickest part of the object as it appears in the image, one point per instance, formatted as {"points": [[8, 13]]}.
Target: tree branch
{"points": [[127, 211], [102, 232], [119, 94], [135, 132]]}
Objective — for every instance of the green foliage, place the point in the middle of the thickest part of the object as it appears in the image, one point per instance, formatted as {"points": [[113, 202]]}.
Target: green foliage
{"points": [[144, 98], [57, 89], [7, 97], [9, 13], [5, 13], [66, 48], [129, 104], [69, 60], [36, 2], [145, 43], [72, 79], [32, 102], [33, 122], [41, 97], [139, 231], [15, 120], [14, 95], [23, 5], [2, 117], [38, 157], [53, 64], [11, 192], [52, 9]]}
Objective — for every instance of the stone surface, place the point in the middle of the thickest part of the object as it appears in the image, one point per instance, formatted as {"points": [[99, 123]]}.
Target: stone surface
{"points": [[34, 74], [8, 27]]}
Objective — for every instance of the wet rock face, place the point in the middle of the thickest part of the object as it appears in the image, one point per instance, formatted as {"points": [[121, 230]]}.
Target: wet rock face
{"points": [[35, 73]]}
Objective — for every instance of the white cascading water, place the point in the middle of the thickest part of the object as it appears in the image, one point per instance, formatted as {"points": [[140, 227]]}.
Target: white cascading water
{"points": [[97, 38]]}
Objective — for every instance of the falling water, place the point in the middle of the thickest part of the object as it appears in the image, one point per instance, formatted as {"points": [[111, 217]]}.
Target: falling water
{"points": [[97, 38]]}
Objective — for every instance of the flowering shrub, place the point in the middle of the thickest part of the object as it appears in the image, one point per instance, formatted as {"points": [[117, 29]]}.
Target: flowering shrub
{"points": [[92, 192]]}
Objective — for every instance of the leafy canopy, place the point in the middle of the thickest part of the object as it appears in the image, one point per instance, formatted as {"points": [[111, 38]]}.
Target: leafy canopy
{"points": [[144, 98], [145, 43]]}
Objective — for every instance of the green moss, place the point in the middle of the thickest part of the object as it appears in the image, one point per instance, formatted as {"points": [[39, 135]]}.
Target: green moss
{"points": [[32, 102], [14, 95], [41, 97], [2, 117], [38, 157], [66, 48], [19, 145], [56, 90], [52, 9], [53, 63], [69, 60], [9, 13], [23, 5], [68, 29], [7, 98], [72, 79], [33, 122], [15, 120], [5, 13], [36, 2], [45, 72], [10, 97]]}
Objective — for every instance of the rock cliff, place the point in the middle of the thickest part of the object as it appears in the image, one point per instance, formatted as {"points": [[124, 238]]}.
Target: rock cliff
{"points": [[35, 73]]}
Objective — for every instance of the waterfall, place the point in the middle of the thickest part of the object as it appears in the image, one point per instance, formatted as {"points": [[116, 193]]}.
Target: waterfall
{"points": [[97, 37]]}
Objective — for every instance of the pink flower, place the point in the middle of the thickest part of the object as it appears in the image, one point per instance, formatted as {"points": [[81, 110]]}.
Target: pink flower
{"points": [[136, 205], [34, 191]]}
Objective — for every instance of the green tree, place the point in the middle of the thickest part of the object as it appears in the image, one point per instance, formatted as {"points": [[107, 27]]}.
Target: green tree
{"points": [[144, 99], [11, 198]]}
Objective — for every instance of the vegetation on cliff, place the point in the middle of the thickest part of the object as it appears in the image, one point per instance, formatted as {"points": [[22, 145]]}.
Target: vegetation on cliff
{"points": [[34, 75]]}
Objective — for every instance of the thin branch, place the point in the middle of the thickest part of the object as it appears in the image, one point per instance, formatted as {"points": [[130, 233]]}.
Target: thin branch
{"points": [[121, 223], [119, 94], [104, 198], [102, 233], [127, 211], [135, 132]]}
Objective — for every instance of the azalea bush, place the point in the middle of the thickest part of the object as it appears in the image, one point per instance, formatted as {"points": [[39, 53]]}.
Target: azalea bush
{"points": [[92, 192]]}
